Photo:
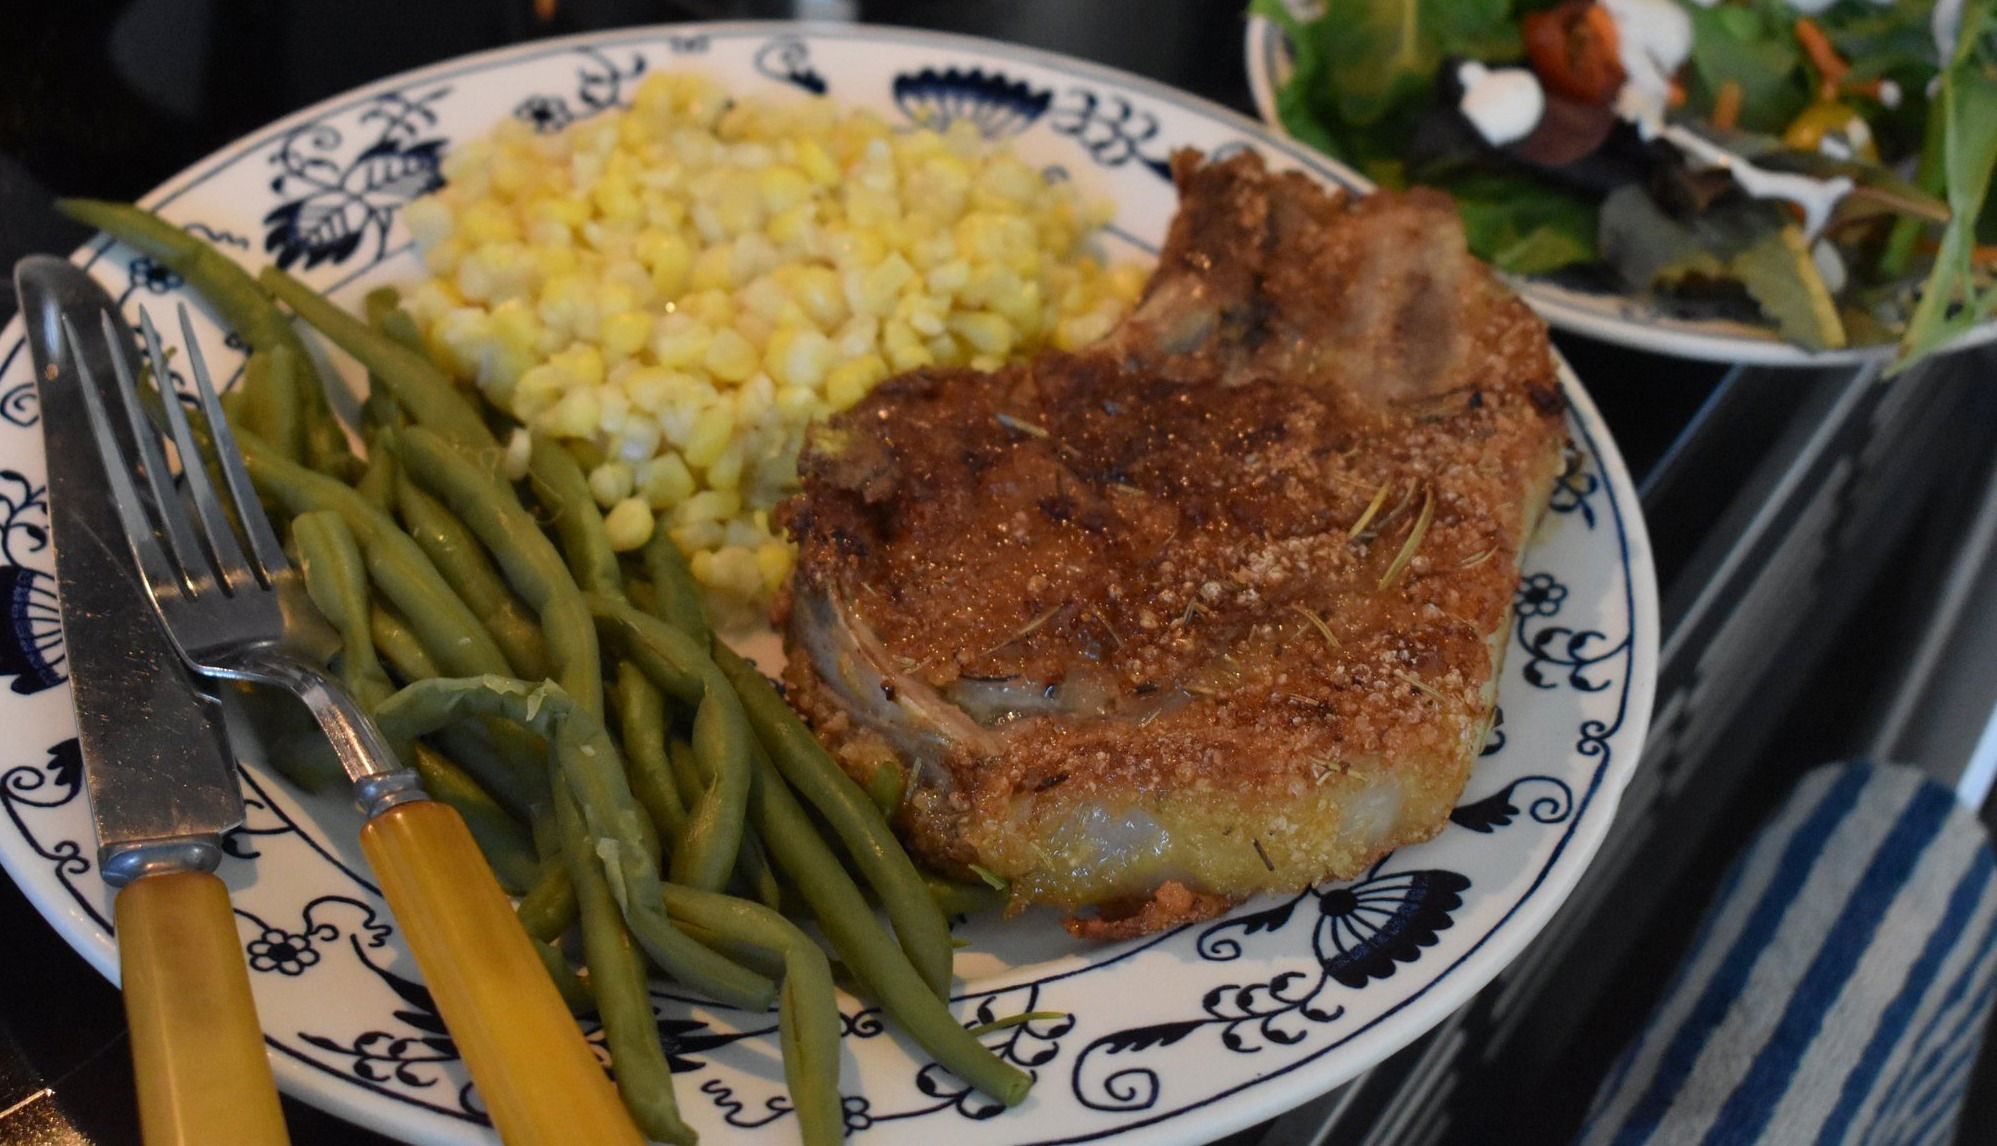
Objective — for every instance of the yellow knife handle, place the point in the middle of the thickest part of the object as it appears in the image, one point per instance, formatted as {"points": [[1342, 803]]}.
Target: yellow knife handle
{"points": [[539, 1080], [197, 1047]]}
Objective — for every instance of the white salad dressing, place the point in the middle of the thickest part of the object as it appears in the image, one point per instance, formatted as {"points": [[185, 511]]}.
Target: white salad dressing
{"points": [[1655, 39], [1817, 197], [1503, 104]]}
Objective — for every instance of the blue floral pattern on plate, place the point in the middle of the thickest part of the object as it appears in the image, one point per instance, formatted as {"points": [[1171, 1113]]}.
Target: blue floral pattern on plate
{"points": [[1175, 1035]]}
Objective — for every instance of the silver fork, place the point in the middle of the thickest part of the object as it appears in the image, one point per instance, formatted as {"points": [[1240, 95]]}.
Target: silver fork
{"points": [[225, 612], [222, 607]]}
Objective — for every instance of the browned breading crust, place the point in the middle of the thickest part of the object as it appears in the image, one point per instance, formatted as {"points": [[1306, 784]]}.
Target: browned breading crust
{"points": [[1256, 550]]}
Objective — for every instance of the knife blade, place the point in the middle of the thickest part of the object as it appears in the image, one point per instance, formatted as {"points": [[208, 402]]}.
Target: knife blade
{"points": [[151, 740], [162, 791]]}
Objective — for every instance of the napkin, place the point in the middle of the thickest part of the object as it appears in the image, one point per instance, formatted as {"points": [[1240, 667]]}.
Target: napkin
{"points": [[1838, 989]]}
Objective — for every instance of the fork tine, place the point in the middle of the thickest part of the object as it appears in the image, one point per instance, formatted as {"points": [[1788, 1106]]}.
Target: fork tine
{"points": [[196, 571], [256, 523], [161, 576], [223, 548]]}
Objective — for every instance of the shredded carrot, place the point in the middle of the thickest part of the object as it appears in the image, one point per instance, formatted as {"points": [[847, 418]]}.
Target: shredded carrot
{"points": [[1984, 256], [1865, 89], [1674, 93], [1830, 66], [1726, 106]]}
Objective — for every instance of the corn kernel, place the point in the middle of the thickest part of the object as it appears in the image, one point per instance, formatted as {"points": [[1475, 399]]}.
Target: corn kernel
{"points": [[773, 561], [729, 357], [986, 332], [624, 333], [726, 472], [817, 165], [664, 481], [783, 188], [628, 525], [611, 483], [574, 416], [711, 432], [708, 505], [850, 381]]}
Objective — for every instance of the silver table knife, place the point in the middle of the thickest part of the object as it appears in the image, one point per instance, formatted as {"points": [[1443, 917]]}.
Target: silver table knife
{"points": [[161, 789]]}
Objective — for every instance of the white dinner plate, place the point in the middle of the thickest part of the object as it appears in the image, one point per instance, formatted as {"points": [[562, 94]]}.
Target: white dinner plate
{"points": [[1179, 1037], [1626, 320]]}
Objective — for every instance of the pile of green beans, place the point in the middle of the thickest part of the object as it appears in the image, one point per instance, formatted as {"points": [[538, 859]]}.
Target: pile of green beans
{"points": [[646, 792]]}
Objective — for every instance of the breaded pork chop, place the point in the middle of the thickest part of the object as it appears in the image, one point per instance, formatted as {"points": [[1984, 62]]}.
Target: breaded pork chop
{"points": [[1215, 606]]}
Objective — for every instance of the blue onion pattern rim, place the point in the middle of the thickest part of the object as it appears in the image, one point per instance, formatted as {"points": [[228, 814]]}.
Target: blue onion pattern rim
{"points": [[1213, 1026]]}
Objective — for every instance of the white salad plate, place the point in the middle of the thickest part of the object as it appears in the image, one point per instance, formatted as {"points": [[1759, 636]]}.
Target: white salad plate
{"points": [[1176, 1038], [1625, 320]]}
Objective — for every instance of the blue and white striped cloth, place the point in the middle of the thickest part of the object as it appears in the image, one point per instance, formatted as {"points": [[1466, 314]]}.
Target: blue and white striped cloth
{"points": [[1836, 992]]}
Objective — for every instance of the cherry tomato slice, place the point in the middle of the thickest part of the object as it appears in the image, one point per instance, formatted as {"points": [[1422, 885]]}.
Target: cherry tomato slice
{"points": [[1573, 49]]}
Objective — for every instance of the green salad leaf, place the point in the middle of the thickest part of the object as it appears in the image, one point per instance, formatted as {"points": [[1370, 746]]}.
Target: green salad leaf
{"points": [[1783, 281], [1886, 39], [1751, 48], [1952, 300], [1383, 54], [1365, 71], [1298, 102], [1524, 225], [1646, 246]]}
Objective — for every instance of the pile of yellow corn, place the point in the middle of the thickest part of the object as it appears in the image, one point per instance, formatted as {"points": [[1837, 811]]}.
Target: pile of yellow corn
{"points": [[680, 288]]}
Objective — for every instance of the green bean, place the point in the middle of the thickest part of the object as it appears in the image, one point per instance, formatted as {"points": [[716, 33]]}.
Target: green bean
{"points": [[623, 998], [336, 579], [383, 306], [560, 483], [239, 402], [394, 640], [624, 843], [329, 562], [549, 907], [594, 769], [507, 849], [676, 594], [465, 566], [430, 397], [706, 853], [287, 732], [378, 482], [247, 310], [450, 632], [516, 776], [278, 398], [808, 1011], [641, 716], [923, 932], [686, 770], [574, 989], [753, 872], [587, 454], [524, 554], [447, 630], [884, 971]]}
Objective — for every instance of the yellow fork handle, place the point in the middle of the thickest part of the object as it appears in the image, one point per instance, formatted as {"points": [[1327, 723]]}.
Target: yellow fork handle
{"points": [[540, 1081], [197, 1047]]}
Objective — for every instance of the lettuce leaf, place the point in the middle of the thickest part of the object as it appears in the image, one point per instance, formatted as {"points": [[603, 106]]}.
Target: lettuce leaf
{"points": [[1952, 300], [1784, 282], [1756, 50], [1524, 225]]}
